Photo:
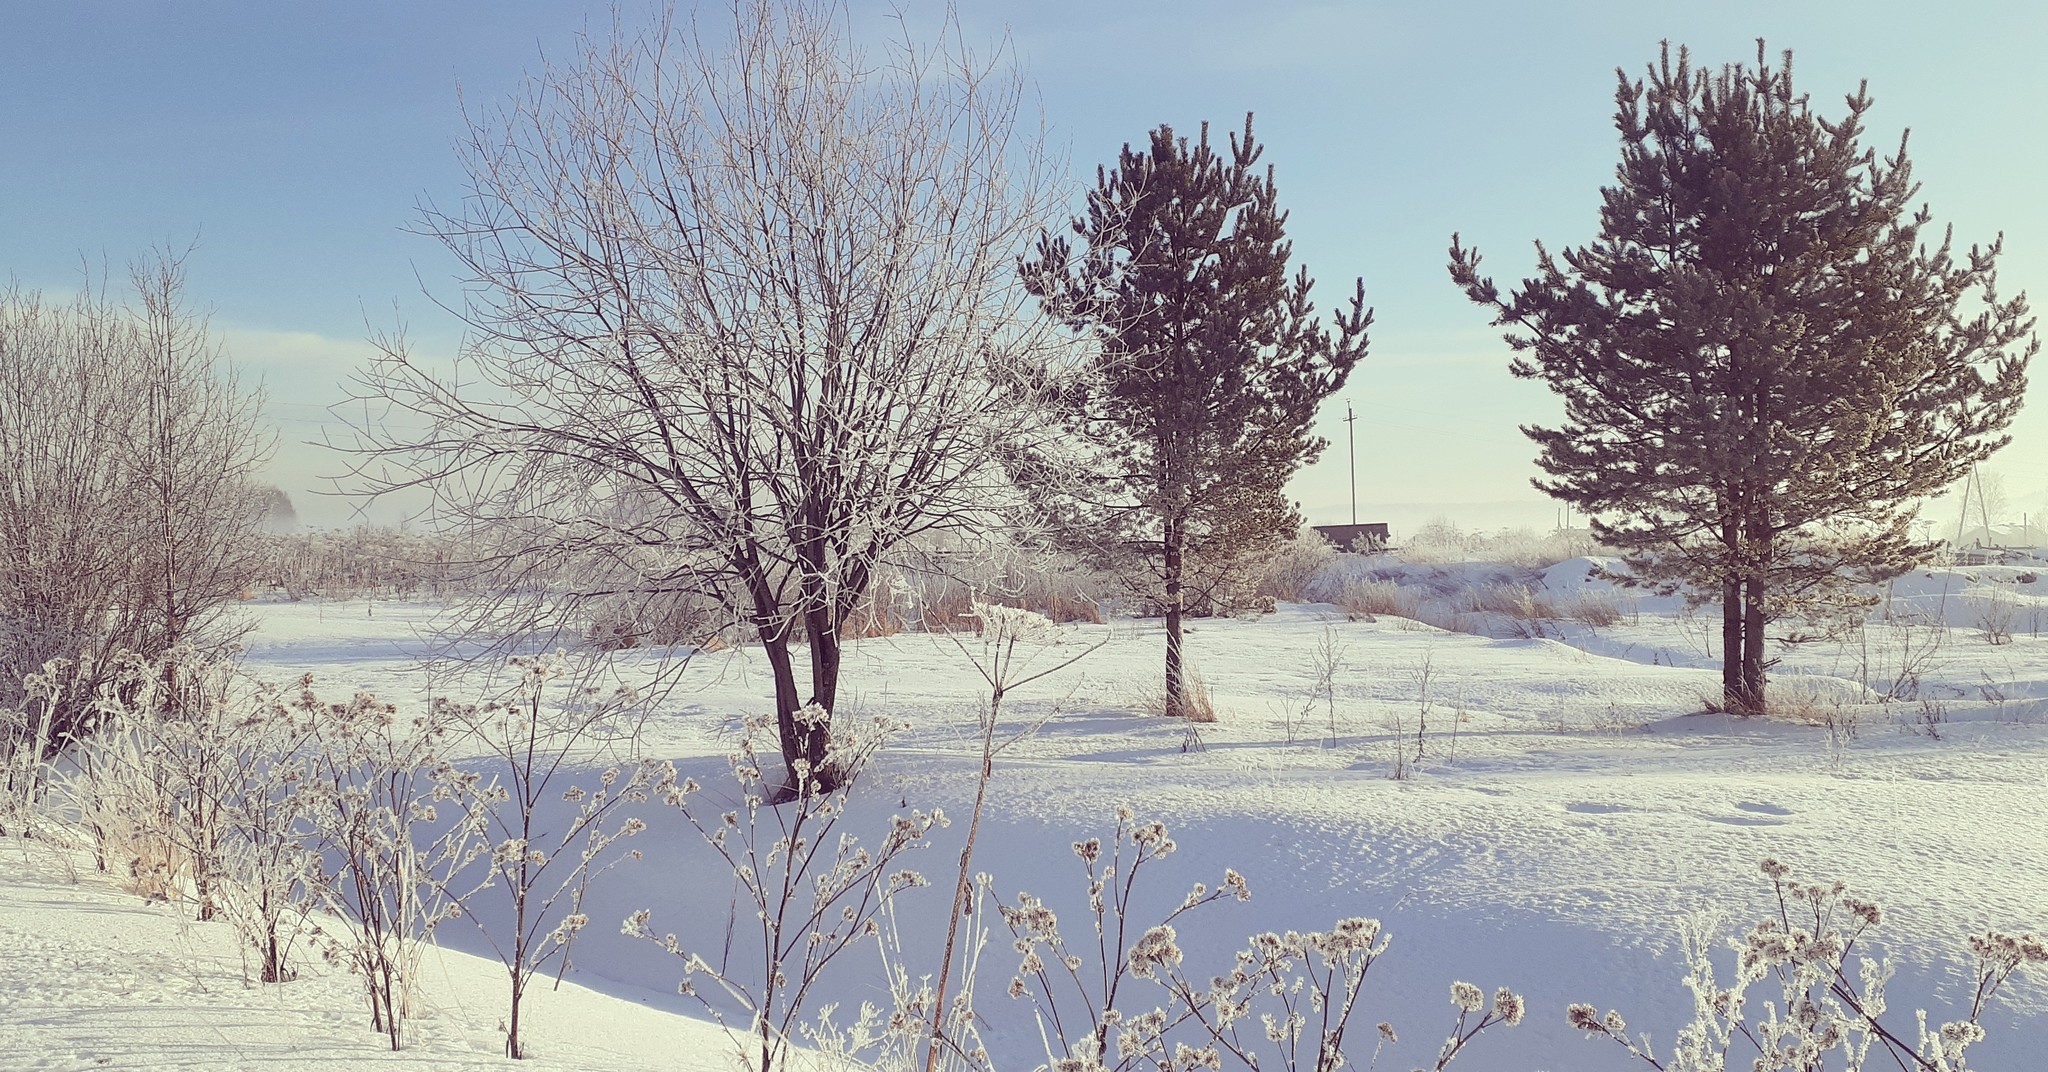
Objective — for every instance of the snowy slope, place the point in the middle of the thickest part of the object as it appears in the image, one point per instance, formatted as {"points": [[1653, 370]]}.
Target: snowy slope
{"points": [[91, 978]]}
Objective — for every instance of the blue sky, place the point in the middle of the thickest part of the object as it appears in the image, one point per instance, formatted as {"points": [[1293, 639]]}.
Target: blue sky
{"points": [[294, 141]]}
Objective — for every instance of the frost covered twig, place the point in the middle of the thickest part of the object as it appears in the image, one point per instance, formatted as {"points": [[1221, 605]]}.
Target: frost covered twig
{"points": [[1012, 654], [1286, 1004], [371, 786], [1822, 1012], [534, 735], [807, 890]]}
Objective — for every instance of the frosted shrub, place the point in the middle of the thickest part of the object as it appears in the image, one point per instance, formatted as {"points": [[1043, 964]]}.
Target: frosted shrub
{"points": [[123, 794], [1531, 550], [1522, 609], [1897, 649], [21, 771], [1997, 609], [618, 622], [271, 872], [267, 886], [367, 562], [1292, 569], [1287, 1003], [1077, 988], [1016, 648], [191, 753], [189, 789], [536, 864], [1436, 540], [1829, 1003], [1441, 541], [377, 780], [24, 747], [1597, 609], [1365, 596], [941, 596], [807, 890]]}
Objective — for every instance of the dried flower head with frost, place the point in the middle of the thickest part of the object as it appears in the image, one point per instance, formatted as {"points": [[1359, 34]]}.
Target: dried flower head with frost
{"points": [[1507, 1007], [1158, 947], [1355, 934]]}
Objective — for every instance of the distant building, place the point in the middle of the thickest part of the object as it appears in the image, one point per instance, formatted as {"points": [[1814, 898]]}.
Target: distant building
{"points": [[1369, 537]]}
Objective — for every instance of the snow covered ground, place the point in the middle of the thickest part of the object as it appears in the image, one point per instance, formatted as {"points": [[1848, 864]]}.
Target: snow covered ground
{"points": [[91, 978], [1562, 806]]}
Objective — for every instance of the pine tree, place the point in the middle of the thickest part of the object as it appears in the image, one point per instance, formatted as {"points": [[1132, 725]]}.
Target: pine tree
{"points": [[1764, 364], [1209, 368]]}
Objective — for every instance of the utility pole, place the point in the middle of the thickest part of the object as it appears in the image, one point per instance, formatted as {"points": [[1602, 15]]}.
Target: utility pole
{"points": [[1351, 439], [1964, 518]]}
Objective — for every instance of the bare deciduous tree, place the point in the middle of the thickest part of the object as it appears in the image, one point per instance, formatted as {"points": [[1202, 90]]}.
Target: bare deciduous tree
{"points": [[742, 321], [128, 515], [201, 446]]}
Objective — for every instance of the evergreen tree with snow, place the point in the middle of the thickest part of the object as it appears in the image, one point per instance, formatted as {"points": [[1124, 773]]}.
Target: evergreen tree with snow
{"points": [[1766, 362], [1208, 370]]}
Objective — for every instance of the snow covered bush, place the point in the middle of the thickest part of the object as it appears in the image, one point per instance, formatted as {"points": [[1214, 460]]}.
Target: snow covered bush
{"points": [[1016, 648], [1197, 702], [121, 798], [1441, 541], [1367, 596], [1996, 612], [188, 787], [1437, 540], [1829, 1003], [376, 781], [1290, 572], [532, 862], [633, 620], [255, 805], [1526, 609], [942, 595], [24, 750], [269, 887]]}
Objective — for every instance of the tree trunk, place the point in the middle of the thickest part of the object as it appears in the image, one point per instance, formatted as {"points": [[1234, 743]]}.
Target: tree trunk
{"points": [[775, 646], [515, 1048], [273, 952], [1731, 642], [823, 628], [1175, 693], [1753, 643], [1731, 606], [1756, 571], [804, 742], [512, 1048]]}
